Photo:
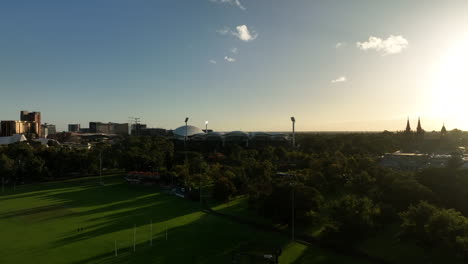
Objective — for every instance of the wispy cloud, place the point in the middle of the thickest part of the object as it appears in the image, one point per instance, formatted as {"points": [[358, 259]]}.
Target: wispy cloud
{"points": [[242, 32], [340, 45], [224, 31], [229, 59], [234, 50], [231, 2], [212, 61], [391, 45], [339, 79]]}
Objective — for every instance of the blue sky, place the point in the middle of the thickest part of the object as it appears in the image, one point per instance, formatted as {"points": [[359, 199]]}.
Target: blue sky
{"points": [[107, 60]]}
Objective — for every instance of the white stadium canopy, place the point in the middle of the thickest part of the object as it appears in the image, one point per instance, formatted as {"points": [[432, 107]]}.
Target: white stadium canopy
{"points": [[191, 130], [12, 139]]}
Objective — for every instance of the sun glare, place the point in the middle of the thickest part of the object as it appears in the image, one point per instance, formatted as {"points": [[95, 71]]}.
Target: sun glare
{"points": [[450, 85]]}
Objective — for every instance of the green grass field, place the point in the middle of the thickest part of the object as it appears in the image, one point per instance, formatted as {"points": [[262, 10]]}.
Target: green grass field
{"points": [[79, 221]]}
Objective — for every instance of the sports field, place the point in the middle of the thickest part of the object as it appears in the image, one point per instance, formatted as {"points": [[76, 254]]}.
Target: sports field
{"points": [[80, 221]]}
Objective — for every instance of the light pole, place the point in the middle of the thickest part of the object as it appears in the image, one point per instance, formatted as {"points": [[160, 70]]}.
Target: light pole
{"points": [[100, 167], [186, 131], [206, 127], [293, 120], [292, 210]]}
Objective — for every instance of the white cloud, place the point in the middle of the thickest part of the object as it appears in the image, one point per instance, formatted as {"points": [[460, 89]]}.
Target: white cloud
{"points": [[243, 33], [234, 50], [212, 61], [339, 79], [391, 45], [223, 31], [340, 45], [229, 59], [231, 2]]}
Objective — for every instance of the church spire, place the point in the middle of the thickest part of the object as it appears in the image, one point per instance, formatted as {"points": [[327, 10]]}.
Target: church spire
{"points": [[443, 131], [419, 129], [408, 127]]}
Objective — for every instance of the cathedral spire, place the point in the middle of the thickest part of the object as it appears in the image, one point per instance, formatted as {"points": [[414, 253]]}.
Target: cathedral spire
{"points": [[419, 129], [408, 127], [443, 131]]}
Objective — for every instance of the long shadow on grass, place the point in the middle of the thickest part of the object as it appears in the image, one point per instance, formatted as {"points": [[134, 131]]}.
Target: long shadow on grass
{"points": [[32, 211], [42, 189], [75, 197], [132, 206], [93, 195], [208, 239]]}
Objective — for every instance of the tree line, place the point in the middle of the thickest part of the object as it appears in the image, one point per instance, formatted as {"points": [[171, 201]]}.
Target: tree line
{"points": [[335, 181]]}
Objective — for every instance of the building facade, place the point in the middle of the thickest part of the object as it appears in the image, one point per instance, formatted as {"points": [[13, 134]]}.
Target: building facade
{"points": [[12, 127], [137, 128], [108, 128], [35, 119], [74, 128], [48, 129]]}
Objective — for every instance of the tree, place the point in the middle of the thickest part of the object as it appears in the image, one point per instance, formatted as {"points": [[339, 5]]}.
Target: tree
{"points": [[351, 217], [223, 189], [6, 168], [414, 221], [432, 227]]}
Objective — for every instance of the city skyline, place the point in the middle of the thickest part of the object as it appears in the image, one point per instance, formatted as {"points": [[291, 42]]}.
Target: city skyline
{"points": [[74, 127], [242, 65]]}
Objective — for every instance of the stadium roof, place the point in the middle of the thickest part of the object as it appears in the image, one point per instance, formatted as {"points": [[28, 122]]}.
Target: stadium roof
{"points": [[12, 139], [191, 130]]}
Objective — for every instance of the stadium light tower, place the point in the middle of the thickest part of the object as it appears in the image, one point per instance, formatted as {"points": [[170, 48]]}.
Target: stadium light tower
{"points": [[293, 120], [186, 130], [206, 127]]}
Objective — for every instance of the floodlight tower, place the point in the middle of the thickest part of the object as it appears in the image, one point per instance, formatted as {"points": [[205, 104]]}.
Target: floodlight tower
{"points": [[206, 127], [186, 131], [292, 184], [293, 120]]}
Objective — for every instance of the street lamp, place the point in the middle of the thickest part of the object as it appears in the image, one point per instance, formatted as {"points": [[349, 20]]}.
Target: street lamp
{"points": [[292, 184], [206, 126], [293, 120], [100, 166], [186, 130]]}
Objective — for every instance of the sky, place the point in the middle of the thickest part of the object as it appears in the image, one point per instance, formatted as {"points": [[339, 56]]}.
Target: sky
{"points": [[239, 64]]}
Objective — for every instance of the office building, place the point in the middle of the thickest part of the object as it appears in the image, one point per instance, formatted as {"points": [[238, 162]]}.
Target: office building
{"points": [[13, 127], [48, 129], [108, 128], [74, 128], [35, 119]]}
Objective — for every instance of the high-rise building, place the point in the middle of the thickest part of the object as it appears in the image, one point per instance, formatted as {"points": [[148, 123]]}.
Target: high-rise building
{"points": [[74, 128], [108, 128], [30, 116], [35, 119], [12, 127], [52, 129], [48, 129], [29, 125]]}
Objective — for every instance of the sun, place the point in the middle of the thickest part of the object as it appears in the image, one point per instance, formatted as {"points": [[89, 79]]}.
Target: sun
{"points": [[450, 86]]}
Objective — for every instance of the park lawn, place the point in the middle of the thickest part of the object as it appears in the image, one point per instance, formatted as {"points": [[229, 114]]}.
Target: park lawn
{"points": [[80, 221], [239, 207]]}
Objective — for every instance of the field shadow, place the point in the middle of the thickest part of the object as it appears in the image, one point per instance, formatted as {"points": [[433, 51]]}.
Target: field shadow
{"points": [[209, 239], [122, 216]]}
